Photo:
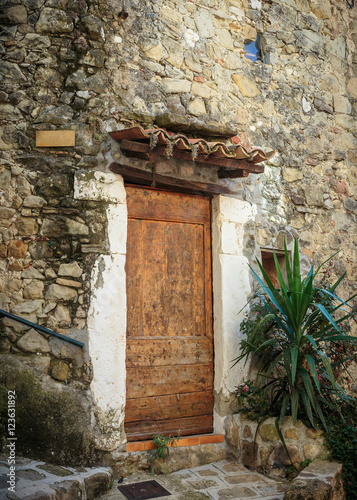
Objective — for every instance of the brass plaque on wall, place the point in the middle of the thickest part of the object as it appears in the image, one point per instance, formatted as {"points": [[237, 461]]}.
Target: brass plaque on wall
{"points": [[55, 138]]}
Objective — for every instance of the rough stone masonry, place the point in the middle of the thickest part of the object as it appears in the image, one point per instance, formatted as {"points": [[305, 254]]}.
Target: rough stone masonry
{"points": [[98, 66]]}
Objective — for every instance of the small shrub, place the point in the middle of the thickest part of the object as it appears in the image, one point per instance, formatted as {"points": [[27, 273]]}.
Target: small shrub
{"points": [[341, 440], [300, 335], [254, 402], [163, 444]]}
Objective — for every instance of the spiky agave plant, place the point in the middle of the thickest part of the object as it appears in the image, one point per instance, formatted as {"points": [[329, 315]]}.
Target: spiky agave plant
{"points": [[301, 324]]}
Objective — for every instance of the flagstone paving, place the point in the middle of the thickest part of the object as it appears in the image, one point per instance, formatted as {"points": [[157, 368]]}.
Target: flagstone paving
{"points": [[35, 480], [223, 480]]}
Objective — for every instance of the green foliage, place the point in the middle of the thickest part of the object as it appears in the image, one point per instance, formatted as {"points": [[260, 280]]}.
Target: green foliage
{"points": [[163, 444], [342, 442], [292, 471], [254, 402], [300, 335]]}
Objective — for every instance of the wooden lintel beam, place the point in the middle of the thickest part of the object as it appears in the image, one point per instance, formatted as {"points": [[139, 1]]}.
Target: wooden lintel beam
{"points": [[232, 174], [224, 173], [141, 150], [146, 178]]}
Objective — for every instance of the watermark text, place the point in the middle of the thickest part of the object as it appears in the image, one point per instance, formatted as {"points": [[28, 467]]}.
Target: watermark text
{"points": [[11, 440]]}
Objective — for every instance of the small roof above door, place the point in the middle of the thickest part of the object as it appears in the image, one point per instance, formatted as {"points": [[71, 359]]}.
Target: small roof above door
{"points": [[236, 159]]}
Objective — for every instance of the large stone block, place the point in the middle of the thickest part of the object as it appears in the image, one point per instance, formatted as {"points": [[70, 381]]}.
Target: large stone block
{"points": [[33, 342], [246, 85], [34, 202], [292, 174], [28, 307], [54, 21], [197, 107], [352, 86], [201, 90], [79, 81], [5, 216], [175, 86], [175, 52], [66, 282], [343, 221], [205, 24], [74, 227], [40, 250], [11, 324], [4, 301], [268, 432], [249, 453], [73, 269], [233, 61], [17, 249], [94, 27], [213, 51], [308, 490], [9, 113], [59, 370], [341, 104], [34, 290], [16, 14], [51, 413], [59, 292], [193, 65], [292, 434], [62, 315], [53, 227], [33, 41], [320, 480], [14, 285], [280, 457], [26, 226], [56, 115], [152, 49], [5, 178], [97, 484], [314, 196], [95, 57], [322, 10], [32, 273], [23, 187], [232, 429]]}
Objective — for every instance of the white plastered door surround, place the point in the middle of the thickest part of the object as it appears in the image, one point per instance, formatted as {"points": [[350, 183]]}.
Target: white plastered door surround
{"points": [[107, 312]]}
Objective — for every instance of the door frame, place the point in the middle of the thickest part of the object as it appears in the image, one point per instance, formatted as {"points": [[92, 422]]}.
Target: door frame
{"points": [[107, 312]]}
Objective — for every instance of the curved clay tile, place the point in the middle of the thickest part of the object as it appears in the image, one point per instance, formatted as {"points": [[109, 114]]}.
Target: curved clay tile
{"points": [[162, 137]]}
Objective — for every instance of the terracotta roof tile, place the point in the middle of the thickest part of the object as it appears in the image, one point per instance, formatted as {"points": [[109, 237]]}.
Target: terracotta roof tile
{"points": [[161, 137]]}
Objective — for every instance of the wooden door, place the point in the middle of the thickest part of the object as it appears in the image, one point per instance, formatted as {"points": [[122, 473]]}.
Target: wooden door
{"points": [[169, 355]]}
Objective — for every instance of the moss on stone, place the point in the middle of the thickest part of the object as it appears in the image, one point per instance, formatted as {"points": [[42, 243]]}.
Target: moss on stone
{"points": [[52, 424]]}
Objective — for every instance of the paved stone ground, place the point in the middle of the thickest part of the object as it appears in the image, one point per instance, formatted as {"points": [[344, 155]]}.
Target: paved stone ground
{"points": [[37, 480], [223, 480]]}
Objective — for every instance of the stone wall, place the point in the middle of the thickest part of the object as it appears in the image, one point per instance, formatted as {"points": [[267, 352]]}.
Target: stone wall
{"points": [[261, 446], [94, 67], [319, 480]]}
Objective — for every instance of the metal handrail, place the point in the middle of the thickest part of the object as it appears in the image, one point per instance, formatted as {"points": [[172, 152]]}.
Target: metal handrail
{"points": [[40, 328]]}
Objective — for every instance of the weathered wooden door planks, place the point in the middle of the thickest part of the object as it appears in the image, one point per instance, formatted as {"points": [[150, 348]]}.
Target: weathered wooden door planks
{"points": [[169, 333]]}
